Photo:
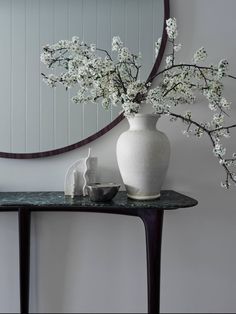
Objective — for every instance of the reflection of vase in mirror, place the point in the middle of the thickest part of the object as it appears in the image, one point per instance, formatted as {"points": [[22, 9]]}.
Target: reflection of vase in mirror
{"points": [[35, 118]]}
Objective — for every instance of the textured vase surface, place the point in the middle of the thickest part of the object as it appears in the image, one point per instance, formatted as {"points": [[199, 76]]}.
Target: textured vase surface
{"points": [[143, 154]]}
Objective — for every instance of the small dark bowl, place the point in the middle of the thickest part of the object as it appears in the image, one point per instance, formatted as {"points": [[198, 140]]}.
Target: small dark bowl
{"points": [[102, 192]]}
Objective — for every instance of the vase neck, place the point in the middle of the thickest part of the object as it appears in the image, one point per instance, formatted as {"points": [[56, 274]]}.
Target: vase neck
{"points": [[143, 122]]}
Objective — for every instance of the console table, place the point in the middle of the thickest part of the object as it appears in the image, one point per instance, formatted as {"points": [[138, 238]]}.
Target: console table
{"points": [[150, 212]]}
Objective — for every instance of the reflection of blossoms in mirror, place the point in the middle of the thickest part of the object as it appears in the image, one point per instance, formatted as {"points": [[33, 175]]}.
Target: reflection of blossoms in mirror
{"points": [[157, 46]]}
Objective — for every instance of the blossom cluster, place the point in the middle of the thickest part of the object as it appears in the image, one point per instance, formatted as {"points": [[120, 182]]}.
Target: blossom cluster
{"points": [[171, 28], [116, 83], [181, 83]]}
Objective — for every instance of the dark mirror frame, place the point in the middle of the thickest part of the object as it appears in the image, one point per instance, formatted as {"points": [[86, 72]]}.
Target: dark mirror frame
{"points": [[110, 125]]}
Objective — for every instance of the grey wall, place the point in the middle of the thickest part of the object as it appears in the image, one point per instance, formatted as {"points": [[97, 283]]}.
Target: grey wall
{"points": [[96, 263]]}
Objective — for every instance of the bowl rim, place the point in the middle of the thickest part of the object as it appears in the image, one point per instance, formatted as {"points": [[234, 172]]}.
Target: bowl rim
{"points": [[103, 185]]}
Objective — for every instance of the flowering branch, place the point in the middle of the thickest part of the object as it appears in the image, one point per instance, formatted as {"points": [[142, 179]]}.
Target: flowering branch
{"points": [[217, 149], [116, 83]]}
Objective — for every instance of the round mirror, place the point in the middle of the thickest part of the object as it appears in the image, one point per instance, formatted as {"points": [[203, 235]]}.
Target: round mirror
{"points": [[38, 121]]}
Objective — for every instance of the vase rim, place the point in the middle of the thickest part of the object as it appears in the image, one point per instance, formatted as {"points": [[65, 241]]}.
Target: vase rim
{"points": [[147, 115], [144, 115]]}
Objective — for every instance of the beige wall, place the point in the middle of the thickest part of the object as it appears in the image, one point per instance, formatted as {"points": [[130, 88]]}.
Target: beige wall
{"points": [[90, 262]]}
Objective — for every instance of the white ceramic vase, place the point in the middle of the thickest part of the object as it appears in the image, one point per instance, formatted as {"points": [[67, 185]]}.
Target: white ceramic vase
{"points": [[143, 157]]}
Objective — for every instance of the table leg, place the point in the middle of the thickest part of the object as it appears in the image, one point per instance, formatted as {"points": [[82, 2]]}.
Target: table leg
{"points": [[153, 220], [24, 258]]}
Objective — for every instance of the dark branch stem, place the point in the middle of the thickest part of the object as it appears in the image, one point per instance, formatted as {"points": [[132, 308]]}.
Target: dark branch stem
{"points": [[189, 120], [104, 50], [173, 52], [229, 174], [224, 128], [187, 65], [169, 90]]}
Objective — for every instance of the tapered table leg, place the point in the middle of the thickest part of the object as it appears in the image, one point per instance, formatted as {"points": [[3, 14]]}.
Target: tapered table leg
{"points": [[24, 258], [153, 220]]}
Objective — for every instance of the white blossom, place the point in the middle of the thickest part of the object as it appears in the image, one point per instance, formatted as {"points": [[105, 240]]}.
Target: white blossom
{"points": [[46, 57], [177, 47], [124, 54], [218, 150], [200, 55], [157, 46], [169, 61], [93, 47], [116, 43], [218, 120], [213, 107], [171, 28], [105, 103], [224, 103], [225, 185], [188, 115], [75, 39], [130, 108], [222, 68], [135, 88]]}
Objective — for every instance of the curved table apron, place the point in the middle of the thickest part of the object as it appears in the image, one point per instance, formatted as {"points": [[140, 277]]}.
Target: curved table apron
{"points": [[150, 212]]}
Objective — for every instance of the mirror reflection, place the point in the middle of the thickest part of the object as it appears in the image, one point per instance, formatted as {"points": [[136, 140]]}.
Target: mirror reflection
{"points": [[36, 118]]}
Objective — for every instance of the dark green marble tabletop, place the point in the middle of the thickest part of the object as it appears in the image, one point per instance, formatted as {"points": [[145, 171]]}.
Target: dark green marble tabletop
{"points": [[57, 201]]}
